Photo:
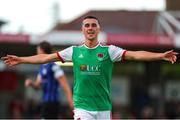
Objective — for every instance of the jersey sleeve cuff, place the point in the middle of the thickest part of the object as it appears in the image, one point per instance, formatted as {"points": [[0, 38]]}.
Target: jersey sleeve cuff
{"points": [[59, 57], [123, 55]]}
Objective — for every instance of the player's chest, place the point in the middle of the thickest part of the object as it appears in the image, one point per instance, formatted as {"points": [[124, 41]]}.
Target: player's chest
{"points": [[90, 57]]}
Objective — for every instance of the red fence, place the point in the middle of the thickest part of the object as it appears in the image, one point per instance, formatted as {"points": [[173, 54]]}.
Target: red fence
{"points": [[14, 38], [8, 81], [149, 40], [137, 40]]}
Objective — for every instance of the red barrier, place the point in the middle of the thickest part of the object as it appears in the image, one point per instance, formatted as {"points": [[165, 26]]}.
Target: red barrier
{"points": [[8, 81], [14, 38], [149, 40]]}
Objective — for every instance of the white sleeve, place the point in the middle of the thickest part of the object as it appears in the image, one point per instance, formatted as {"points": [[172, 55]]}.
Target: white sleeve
{"points": [[58, 72], [66, 54], [116, 53]]}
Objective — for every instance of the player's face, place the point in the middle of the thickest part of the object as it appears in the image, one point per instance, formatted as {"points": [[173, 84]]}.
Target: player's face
{"points": [[39, 50], [90, 29]]}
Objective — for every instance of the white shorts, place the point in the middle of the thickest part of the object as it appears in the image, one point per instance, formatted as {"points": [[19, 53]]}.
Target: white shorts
{"points": [[81, 114]]}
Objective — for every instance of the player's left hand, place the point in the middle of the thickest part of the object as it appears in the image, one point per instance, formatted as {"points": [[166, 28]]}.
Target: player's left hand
{"points": [[170, 56]]}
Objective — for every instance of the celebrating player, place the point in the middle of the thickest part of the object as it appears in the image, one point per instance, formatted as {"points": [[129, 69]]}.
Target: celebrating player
{"points": [[92, 68]]}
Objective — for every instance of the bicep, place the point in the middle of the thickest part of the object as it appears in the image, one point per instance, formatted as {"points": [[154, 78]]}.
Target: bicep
{"points": [[116, 53], [66, 54]]}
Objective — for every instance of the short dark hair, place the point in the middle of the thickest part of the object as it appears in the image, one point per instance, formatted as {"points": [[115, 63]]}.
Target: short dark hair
{"points": [[46, 47], [91, 17]]}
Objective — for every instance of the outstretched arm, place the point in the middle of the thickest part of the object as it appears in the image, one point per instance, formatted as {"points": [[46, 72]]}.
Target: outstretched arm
{"points": [[12, 60], [150, 56]]}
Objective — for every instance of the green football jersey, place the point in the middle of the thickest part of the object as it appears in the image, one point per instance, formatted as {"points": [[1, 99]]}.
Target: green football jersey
{"points": [[92, 69]]}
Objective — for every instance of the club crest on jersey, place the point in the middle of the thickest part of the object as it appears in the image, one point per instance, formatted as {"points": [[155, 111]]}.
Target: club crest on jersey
{"points": [[100, 56]]}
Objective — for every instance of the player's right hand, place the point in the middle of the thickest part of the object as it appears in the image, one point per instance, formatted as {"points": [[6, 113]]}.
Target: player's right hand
{"points": [[27, 83], [11, 60]]}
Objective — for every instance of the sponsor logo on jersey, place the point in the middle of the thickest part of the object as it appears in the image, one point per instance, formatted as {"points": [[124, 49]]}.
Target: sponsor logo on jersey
{"points": [[90, 69], [100, 56]]}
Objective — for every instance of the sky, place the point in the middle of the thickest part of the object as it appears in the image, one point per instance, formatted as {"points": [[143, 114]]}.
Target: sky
{"points": [[39, 16]]}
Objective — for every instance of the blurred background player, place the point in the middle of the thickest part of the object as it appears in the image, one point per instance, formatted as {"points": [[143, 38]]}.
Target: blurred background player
{"points": [[50, 76]]}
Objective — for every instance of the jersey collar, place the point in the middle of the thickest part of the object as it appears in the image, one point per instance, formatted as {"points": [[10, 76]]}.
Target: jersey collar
{"points": [[92, 47]]}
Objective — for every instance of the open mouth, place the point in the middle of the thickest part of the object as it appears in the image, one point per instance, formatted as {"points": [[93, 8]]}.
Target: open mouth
{"points": [[90, 32]]}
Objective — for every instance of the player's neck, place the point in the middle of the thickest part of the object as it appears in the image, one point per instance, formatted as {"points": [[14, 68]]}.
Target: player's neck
{"points": [[91, 43]]}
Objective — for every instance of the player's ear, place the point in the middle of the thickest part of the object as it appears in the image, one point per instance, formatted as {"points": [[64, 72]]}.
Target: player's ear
{"points": [[99, 28], [81, 26], [82, 30]]}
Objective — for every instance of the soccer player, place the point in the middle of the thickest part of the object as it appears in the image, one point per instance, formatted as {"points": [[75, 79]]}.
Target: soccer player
{"points": [[92, 68], [50, 76]]}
